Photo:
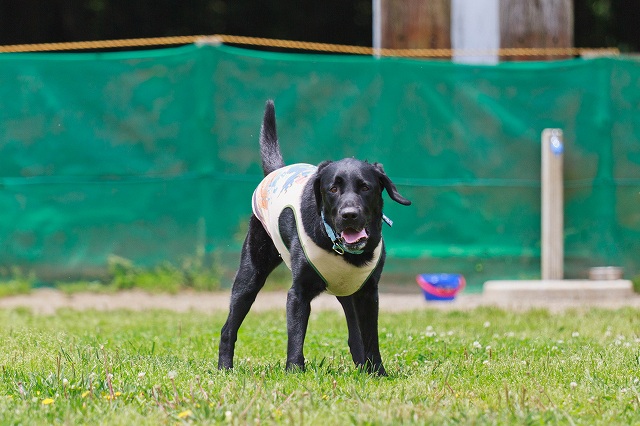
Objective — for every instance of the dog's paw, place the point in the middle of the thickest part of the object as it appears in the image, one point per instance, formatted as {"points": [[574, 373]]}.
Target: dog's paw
{"points": [[294, 367], [225, 365], [373, 369], [380, 371]]}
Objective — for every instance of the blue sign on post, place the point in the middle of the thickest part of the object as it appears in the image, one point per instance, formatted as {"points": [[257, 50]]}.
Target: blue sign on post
{"points": [[557, 147]]}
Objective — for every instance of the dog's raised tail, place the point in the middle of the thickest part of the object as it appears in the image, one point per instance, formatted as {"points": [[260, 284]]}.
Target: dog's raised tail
{"points": [[269, 146]]}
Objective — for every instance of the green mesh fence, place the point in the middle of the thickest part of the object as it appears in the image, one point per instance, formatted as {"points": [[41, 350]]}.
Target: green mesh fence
{"points": [[153, 156]]}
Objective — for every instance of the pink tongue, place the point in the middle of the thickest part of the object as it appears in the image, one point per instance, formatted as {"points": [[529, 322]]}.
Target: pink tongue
{"points": [[350, 236]]}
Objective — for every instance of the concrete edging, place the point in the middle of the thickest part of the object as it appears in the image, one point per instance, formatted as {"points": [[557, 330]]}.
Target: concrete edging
{"points": [[550, 290]]}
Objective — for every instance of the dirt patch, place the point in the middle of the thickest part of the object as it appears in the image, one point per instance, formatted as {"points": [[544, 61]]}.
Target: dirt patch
{"points": [[47, 301]]}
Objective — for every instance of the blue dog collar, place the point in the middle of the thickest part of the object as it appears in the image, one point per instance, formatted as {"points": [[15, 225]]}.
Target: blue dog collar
{"points": [[387, 220]]}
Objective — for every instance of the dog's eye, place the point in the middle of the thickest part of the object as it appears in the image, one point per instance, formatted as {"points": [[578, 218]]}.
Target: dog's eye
{"points": [[333, 189], [364, 188]]}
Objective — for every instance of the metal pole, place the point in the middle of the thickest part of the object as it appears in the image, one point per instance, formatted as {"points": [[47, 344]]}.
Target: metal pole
{"points": [[377, 27], [475, 26]]}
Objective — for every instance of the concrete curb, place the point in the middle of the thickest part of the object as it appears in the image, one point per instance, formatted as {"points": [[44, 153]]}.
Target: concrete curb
{"points": [[550, 290]]}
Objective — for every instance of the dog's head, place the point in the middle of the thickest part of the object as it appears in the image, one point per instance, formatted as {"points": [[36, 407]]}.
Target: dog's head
{"points": [[349, 193]]}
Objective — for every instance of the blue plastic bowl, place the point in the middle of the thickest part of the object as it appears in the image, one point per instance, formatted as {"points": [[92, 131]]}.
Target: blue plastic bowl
{"points": [[440, 286]]}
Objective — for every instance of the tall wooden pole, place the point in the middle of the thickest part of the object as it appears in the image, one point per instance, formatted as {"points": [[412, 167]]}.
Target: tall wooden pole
{"points": [[415, 24], [552, 255], [539, 23], [475, 25]]}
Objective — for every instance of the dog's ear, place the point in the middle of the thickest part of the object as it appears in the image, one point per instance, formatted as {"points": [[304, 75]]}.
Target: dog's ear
{"points": [[316, 185], [389, 186]]}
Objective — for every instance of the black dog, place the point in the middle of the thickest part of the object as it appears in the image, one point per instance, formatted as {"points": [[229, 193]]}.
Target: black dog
{"points": [[326, 224]]}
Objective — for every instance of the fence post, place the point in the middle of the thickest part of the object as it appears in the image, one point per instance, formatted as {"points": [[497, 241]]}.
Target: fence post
{"points": [[415, 24], [552, 205]]}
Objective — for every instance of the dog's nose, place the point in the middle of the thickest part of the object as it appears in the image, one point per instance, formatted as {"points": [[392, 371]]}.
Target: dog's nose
{"points": [[349, 213]]}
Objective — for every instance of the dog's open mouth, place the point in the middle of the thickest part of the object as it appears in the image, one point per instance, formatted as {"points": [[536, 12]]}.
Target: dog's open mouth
{"points": [[355, 238]]}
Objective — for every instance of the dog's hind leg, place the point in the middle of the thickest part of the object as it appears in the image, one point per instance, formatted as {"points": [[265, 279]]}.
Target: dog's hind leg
{"points": [[355, 338], [258, 259]]}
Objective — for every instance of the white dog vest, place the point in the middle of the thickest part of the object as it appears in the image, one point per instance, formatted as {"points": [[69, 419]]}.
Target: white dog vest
{"points": [[282, 189]]}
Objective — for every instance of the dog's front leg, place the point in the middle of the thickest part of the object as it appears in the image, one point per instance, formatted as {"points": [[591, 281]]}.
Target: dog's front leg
{"points": [[298, 311], [366, 304], [306, 285]]}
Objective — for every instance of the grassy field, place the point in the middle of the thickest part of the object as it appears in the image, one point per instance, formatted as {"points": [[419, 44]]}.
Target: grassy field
{"points": [[485, 366]]}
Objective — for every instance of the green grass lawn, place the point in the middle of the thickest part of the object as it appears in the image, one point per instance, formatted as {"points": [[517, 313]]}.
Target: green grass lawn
{"points": [[485, 366]]}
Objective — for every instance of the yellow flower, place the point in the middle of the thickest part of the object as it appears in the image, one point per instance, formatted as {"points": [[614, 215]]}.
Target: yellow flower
{"points": [[47, 401], [115, 395], [85, 393], [184, 414]]}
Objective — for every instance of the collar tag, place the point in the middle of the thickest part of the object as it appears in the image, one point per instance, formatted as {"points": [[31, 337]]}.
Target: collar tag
{"points": [[338, 248]]}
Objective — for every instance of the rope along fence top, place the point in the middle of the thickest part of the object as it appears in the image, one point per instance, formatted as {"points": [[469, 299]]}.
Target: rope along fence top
{"points": [[302, 45]]}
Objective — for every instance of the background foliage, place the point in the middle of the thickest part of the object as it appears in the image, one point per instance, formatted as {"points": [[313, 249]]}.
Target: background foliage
{"points": [[598, 23]]}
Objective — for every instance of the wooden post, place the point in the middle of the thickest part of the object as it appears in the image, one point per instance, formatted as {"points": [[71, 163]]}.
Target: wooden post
{"points": [[474, 25], [552, 255], [540, 23], [415, 24]]}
